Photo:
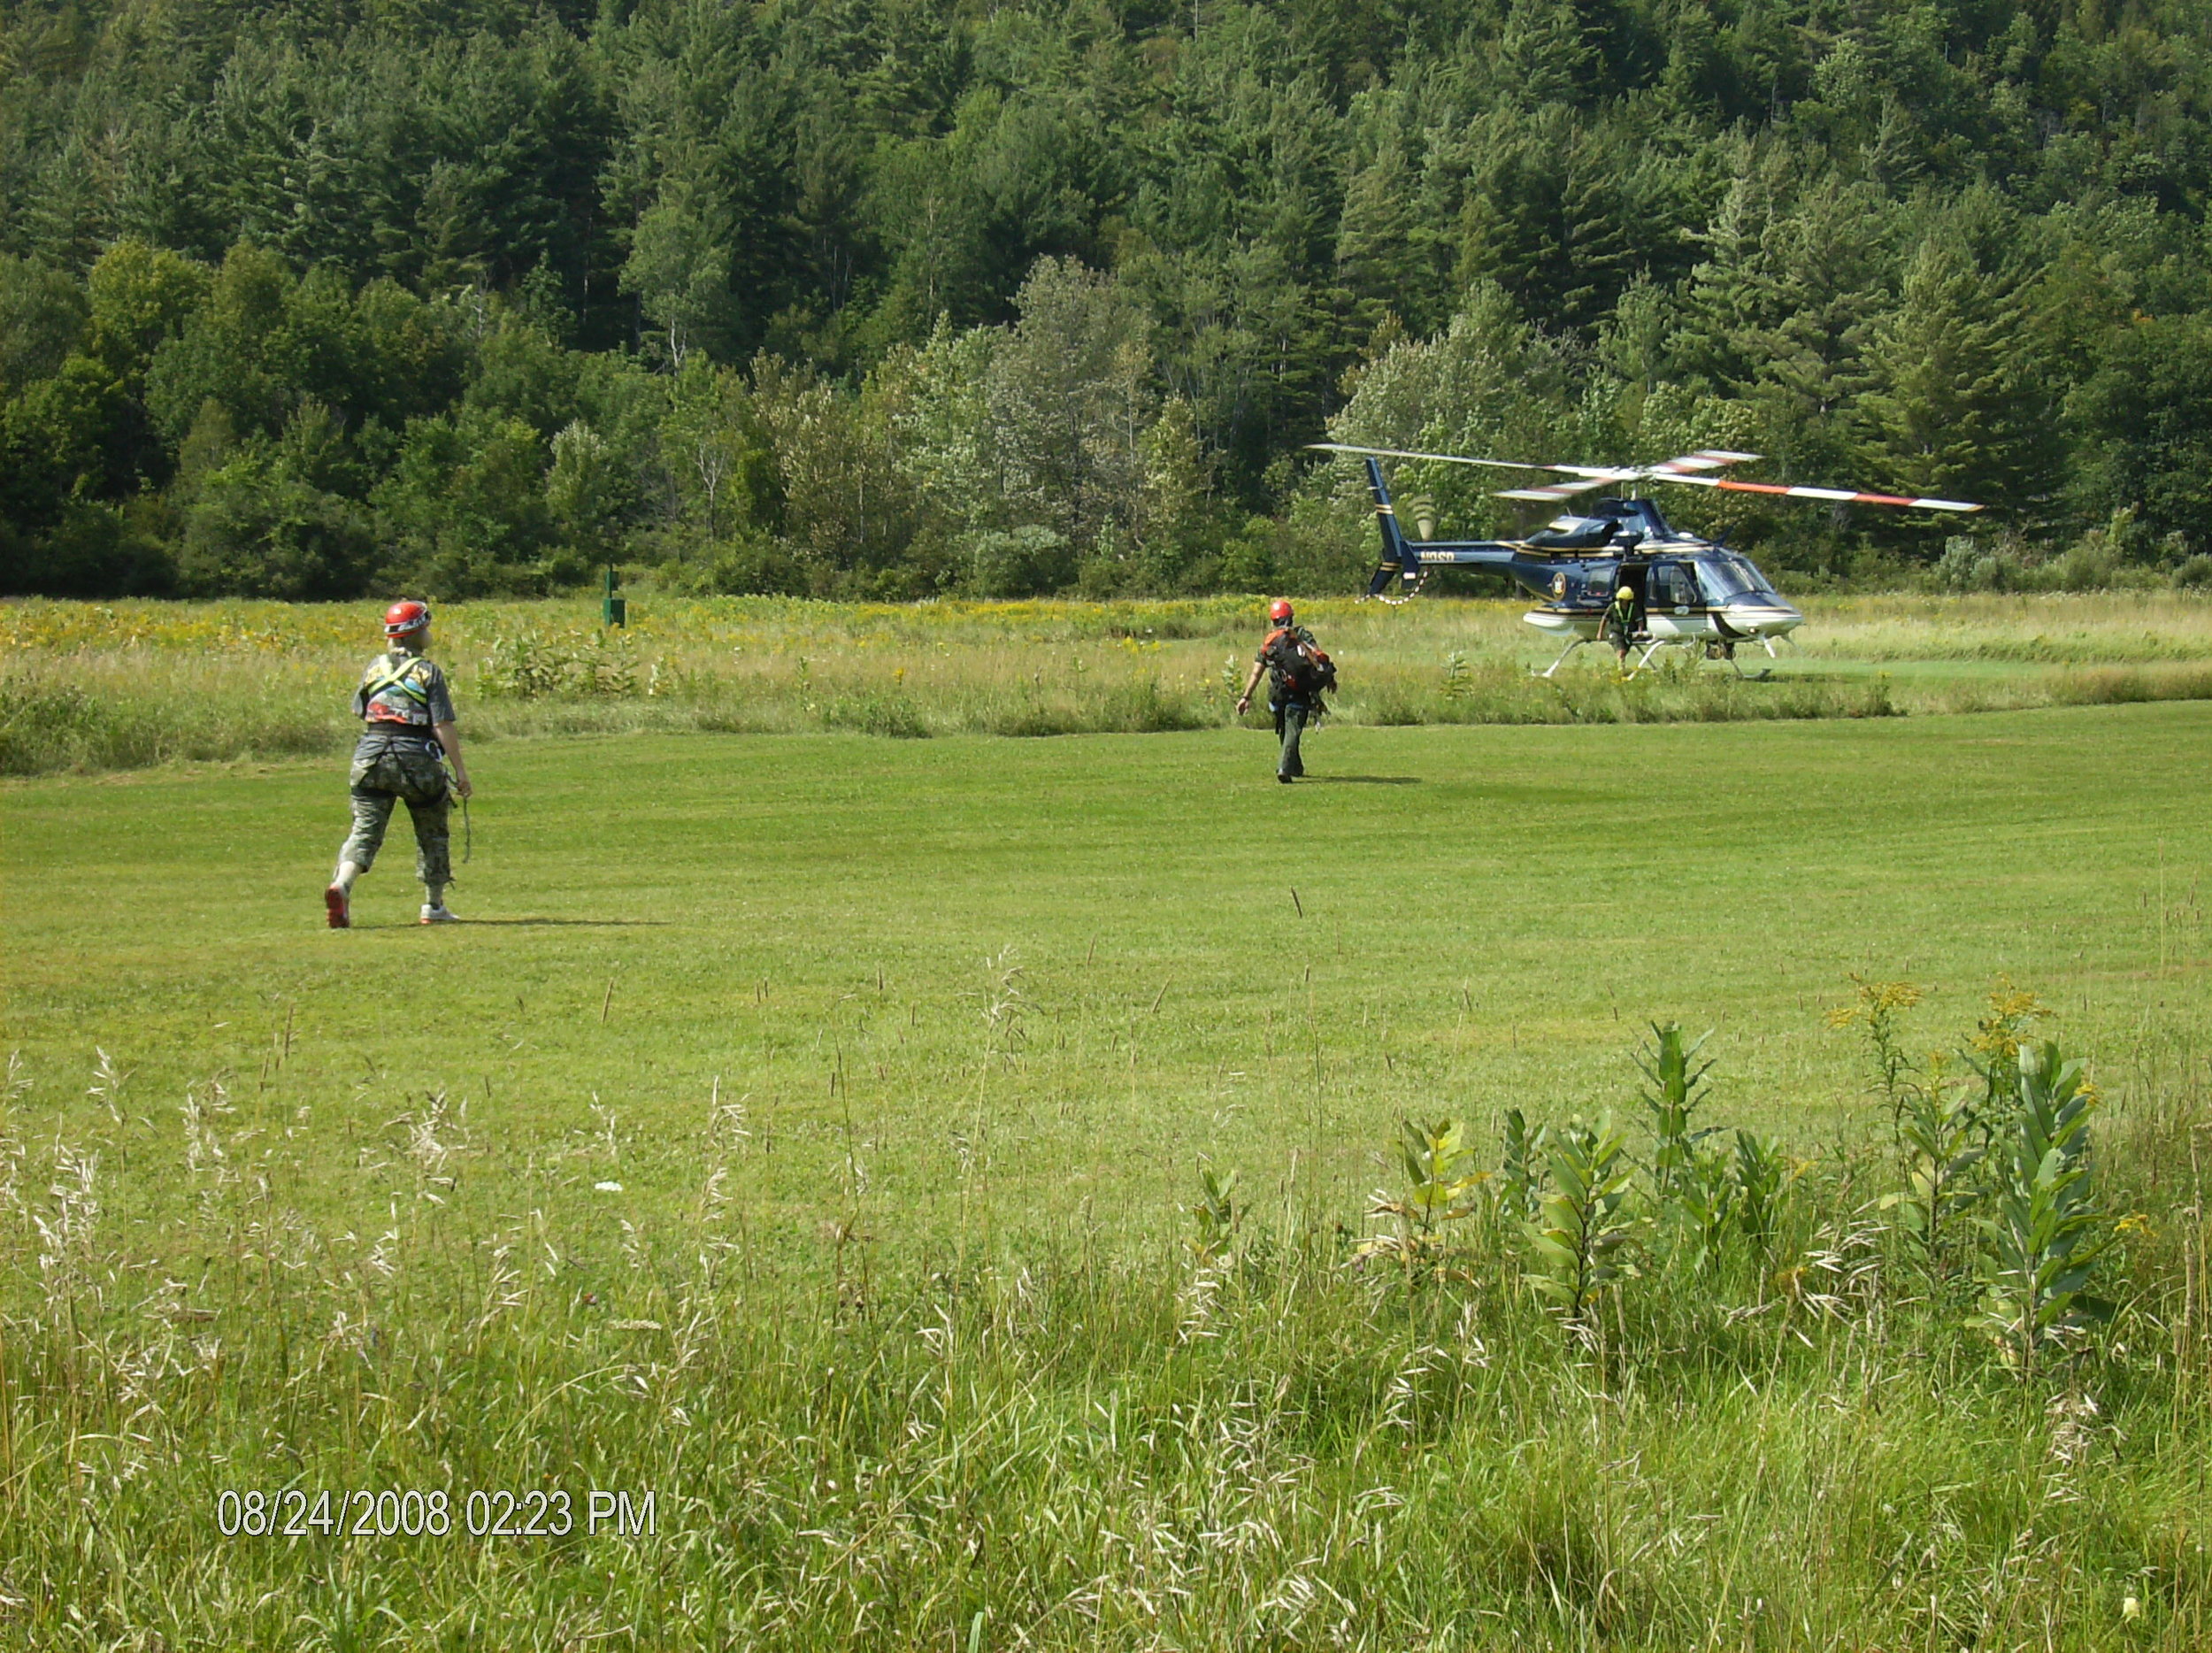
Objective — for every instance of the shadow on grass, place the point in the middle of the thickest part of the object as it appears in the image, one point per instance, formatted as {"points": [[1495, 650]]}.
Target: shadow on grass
{"points": [[1361, 781], [587, 924], [484, 924]]}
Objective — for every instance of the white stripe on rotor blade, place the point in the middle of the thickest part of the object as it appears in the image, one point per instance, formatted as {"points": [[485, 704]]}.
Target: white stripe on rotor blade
{"points": [[1557, 490], [1843, 495]]}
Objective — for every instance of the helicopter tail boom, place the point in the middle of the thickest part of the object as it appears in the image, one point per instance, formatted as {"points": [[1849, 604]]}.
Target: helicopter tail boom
{"points": [[1399, 567]]}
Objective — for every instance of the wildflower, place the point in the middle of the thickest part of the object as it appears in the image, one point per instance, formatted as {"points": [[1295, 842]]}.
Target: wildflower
{"points": [[1879, 1003], [606, 1188], [2013, 1013]]}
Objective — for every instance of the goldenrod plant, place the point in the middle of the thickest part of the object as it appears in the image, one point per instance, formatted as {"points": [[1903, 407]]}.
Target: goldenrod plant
{"points": [[1994, 1051], [1877, 1008]]}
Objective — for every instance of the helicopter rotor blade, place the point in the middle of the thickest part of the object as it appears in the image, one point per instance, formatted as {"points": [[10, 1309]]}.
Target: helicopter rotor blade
{"points": [[1682, 465], [1703, 459], [1446, 459], [1841, 495], [1554, 491]]}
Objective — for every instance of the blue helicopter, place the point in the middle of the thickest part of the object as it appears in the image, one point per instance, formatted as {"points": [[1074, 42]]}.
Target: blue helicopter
{"points": [[1689, 592]]}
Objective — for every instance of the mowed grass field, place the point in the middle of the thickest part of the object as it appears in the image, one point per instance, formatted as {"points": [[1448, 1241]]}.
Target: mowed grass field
{"points": [[1489, 918], [762, 1060]]}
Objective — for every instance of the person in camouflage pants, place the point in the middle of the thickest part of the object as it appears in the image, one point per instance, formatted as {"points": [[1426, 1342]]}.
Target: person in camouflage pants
{"points": [[407, 738]]}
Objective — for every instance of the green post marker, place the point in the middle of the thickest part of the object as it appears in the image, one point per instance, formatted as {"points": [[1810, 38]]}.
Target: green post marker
{"points": [[613, 611]]}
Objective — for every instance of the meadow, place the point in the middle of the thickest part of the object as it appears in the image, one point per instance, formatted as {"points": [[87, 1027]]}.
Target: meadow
{"points": [[965, 1181], [91, 686]]}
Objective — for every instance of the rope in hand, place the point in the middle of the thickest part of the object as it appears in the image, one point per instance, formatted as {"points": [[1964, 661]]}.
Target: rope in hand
{"points": [[468, 831]]}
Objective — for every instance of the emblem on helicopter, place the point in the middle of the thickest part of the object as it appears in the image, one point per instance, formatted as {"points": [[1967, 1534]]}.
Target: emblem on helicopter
{"points": [[1689, 592]]}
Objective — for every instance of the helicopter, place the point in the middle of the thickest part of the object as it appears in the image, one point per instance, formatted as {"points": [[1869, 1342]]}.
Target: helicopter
{"points": [[1690, 592]]}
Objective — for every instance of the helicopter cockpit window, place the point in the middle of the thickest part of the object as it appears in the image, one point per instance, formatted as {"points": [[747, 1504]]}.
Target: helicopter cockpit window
{"points": [[1673, 586]]}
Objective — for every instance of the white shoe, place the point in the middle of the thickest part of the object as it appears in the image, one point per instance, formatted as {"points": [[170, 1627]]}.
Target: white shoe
{"points": [[438, 915]]}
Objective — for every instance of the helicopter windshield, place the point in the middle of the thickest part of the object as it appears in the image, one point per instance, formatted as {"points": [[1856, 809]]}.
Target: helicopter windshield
{"points": [[1760, 583], [1728, 577]]}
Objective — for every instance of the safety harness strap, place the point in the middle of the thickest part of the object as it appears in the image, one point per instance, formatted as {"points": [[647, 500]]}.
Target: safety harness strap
{"points": [[401, 678]]}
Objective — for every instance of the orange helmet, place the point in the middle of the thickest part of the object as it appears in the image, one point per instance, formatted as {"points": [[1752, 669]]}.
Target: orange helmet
{"points": [[1278, 611], [404, 617]]}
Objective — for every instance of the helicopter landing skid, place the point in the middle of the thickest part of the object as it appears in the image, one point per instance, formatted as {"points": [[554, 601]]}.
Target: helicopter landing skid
{"points": [[1564, 653]]}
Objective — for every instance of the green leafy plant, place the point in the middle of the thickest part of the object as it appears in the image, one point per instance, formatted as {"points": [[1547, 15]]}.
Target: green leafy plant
{"points": [[1580, 1231], [1436, 1160], [1705, 1201], [1762, 1174], [530, 665], [1214, 1216], [1521, 1176], [1668, 1064], [1457, 679], [2041, 1245], [1938, 1132]]}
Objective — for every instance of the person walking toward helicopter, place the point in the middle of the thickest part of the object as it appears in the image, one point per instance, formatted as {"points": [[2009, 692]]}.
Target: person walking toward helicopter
{"points": [[407, 739], [1299, 674]]}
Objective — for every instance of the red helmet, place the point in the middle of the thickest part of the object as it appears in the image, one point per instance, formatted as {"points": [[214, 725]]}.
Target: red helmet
{"points": [[406, 615], [1278, 611]]}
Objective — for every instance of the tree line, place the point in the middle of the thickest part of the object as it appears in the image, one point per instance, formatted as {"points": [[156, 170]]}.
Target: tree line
{"points": [[889, 297]]}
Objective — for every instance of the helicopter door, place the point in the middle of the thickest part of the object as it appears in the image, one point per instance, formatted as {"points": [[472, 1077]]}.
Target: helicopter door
{"points": [[1636, 577], [1675, 608]]}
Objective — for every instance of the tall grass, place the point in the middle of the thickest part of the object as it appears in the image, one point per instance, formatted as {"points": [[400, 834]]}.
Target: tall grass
{"points": [[1275, 1437], [107, 686]]}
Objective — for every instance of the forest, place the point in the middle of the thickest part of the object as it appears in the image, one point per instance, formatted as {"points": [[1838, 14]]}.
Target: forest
{"points": [[892, 298]]}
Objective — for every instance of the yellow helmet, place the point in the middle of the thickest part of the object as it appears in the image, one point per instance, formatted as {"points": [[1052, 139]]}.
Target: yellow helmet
{"points": [[1626, 594]]}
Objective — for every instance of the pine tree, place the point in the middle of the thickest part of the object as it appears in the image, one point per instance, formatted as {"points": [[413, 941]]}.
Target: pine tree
{"points": [[1949, 412]]}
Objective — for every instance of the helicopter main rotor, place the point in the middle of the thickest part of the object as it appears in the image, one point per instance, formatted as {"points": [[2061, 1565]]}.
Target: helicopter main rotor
{"points": [[1691, 468]]}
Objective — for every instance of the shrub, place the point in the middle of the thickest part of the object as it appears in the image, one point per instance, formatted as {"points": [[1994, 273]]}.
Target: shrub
{"points": [[890, 714], [256, 531], [530, 665]]}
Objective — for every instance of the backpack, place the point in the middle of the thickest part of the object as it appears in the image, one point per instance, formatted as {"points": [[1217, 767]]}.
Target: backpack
{"points": [[1302, 671]]}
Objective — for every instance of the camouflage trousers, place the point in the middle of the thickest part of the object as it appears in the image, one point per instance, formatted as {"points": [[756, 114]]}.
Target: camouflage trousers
{"points": [[412, 777]]}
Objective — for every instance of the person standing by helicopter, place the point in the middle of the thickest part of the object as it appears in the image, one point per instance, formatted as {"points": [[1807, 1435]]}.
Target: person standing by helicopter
{"points": [[1299, 673], [1619, 624], [407, 738]]}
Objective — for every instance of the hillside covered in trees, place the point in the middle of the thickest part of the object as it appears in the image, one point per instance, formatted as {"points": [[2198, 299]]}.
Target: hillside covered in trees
{"points": [[896, 296]]}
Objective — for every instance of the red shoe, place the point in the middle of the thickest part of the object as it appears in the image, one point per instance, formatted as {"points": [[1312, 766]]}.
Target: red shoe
{"points": [[340, 906]]}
